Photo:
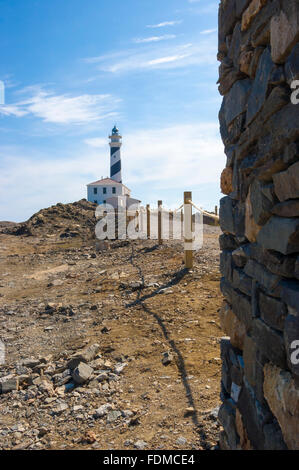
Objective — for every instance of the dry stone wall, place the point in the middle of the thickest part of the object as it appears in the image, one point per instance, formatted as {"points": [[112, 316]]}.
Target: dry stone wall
{"points": [[259, 218]]}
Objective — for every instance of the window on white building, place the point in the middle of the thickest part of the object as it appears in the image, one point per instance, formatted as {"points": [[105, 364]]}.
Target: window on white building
{"points": [[113, 190], [104, 190], [95, 190]]}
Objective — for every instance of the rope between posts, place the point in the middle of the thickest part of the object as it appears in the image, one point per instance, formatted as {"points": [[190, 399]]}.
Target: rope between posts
{"points": [[179, 208], [203, 211], [216, 217]]}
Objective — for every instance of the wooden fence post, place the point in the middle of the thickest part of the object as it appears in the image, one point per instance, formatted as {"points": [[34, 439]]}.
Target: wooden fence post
{"points": [[148, 221], [160, 222], [188, 229], [141, 220], [216, 210], [182, 224], [170, 215]]}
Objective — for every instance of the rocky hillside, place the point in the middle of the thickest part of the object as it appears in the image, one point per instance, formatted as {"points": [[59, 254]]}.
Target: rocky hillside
{"points": [[76, 219]]}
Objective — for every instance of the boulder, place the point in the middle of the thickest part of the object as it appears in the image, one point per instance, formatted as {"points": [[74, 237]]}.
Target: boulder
{"points": [[9, 383], [280, 234], [291, 152], [251, 227], [259, 90], [226, 289], [245, 60], [226, 215], [235, 102], [226, 21], [232, 326], [241, 5], [226, 265], [226, 417], [262, 201], [273, 261], [269, 281], [226, 181], [270, 342], [227, 242], [244, 441], [85, 355], [228, 75], [284, 31], [239, 221], [230, 154], [241, 306], [287, 208], [82, 373], [240, 255], [250, 13], [286, 183], [102, 410], [250, 360], [254, 416], [241, 281], [260, 27], [235, 46], [272, 311], [257, 52], [282, 396]]}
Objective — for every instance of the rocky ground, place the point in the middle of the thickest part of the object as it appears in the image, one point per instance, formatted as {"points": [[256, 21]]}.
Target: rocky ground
{"points": [[108, 350]]}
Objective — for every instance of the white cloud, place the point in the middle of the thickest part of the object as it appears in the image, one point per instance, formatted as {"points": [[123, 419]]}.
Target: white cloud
{"points": [[175, 156], [165, 23], [63, 109], [208, 31], [12, 110], [168, 159], [154, 38], [176, 56], [166, 60]]}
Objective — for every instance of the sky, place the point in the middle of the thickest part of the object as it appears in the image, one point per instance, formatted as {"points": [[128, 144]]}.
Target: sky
{"points": [[73, 68]]}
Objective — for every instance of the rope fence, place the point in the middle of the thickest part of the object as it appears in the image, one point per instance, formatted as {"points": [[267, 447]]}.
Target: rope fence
{"points": [[160, 224]]}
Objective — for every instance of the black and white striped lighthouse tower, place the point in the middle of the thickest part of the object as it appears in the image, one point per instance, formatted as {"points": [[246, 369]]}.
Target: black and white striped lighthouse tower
{"points": [[115, 161]]}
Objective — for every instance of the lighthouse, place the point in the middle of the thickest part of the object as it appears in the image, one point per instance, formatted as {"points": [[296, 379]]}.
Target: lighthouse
{"points": [[111, 190], [115, 161]]}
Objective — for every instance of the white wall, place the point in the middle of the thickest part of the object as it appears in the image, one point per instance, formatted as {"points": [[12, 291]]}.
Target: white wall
{"points": [[100, 197]]}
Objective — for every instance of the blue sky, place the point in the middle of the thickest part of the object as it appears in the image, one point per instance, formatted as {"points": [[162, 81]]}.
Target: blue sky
{"points": [[74, 68]]}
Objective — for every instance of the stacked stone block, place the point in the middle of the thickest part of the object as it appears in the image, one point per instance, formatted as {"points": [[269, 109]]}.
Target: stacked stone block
{"points": [[259, 218]]}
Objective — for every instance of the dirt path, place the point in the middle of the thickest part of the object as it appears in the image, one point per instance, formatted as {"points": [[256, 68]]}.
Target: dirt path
{"points": [[142, 308]]}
